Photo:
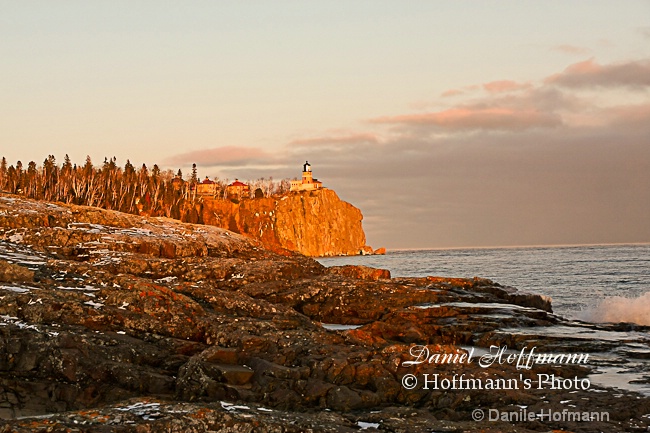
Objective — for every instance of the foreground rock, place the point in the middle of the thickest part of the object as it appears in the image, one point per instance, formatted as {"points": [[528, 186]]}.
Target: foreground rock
{"points": [[112, 322]]}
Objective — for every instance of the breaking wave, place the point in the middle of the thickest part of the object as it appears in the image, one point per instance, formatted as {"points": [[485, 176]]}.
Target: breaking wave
{"points": [[619, 309]]}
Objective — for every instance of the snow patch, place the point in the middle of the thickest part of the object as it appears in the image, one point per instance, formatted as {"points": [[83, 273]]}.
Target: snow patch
{"points": [[147, 411], [231, 407], [88, 227], [16, 289], [107, 260], [166, 279], [95, 305], [135, 232], [16, 238], [21, 255], [337, 327], [85, 288], [10, 320]]}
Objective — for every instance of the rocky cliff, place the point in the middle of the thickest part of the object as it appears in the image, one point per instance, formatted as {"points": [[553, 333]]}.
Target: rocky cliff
{"points": [[316, 223], [120, 323]]}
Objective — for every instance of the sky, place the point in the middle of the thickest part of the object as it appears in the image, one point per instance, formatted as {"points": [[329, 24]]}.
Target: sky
{"points": [[448, 123]]}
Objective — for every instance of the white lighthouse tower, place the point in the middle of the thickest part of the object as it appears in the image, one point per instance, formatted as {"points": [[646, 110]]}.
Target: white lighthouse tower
{"points": [[307, 183]]}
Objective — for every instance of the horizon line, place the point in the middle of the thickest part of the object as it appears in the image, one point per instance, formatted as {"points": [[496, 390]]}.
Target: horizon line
{"points": [[518, 246]]}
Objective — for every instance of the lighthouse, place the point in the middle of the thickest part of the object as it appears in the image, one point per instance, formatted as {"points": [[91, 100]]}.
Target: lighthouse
{"points": [[307, 183]]}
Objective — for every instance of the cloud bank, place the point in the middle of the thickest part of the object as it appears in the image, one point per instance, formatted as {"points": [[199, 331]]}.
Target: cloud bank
{"points": [[472, 118], [220, 156], [589, 74], [499, 163]]}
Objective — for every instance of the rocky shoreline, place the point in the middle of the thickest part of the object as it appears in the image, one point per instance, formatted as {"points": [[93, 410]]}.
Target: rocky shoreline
{"points": [[114, 322]]}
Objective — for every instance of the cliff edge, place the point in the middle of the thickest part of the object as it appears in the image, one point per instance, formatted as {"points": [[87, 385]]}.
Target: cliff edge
{"points": [[315, 223]]}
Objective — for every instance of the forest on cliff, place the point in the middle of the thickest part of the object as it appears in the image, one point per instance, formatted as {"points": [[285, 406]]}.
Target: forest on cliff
{"points": [[141, 191]]}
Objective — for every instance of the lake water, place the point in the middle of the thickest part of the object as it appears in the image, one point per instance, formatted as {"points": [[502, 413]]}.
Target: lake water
{"points": [[594, 282]]}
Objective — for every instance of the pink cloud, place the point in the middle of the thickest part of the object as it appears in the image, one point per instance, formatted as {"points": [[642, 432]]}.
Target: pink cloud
{"points": [[226, 155], [464, 90], [504, 86], [571, 49], [630, 115], [494, 118], [452, 92], [342, 139], [516, 106], [634, 74]]}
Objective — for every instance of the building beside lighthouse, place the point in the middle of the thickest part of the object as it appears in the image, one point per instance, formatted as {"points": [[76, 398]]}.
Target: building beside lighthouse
{"points": [[207, 187], [238, 190], [307, 183]]}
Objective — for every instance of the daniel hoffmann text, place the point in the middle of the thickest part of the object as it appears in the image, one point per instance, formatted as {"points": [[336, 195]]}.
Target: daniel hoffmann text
{"points": [[525, 359]]}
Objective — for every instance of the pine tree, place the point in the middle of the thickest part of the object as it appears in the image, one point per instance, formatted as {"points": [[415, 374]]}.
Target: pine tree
{"points": [[65, 181], [32, 181], [20, 178], [50, 177], [67, 164], [12, 179], [3, 173], [88, 166], [89, 188]]}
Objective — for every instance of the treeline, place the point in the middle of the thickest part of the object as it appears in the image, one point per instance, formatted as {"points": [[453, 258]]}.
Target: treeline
{"points": [[141, 190]]}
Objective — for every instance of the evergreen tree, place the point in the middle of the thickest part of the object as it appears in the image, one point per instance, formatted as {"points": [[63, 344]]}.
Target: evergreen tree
{"points": [[32, 181], [50, 177], [3, 173], [20, 177], [65, 184], [67, 164], [88, 166], [12, 179]]}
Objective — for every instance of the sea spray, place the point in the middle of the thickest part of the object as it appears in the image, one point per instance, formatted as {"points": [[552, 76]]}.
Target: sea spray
{"points": [[621, 309]]}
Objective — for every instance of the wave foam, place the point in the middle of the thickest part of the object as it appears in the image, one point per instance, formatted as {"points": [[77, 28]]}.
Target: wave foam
{"points": [[619, 309]]}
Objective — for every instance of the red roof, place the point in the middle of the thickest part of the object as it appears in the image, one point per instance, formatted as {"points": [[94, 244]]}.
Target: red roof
{"points": [[207, 181], [237, 183]]}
